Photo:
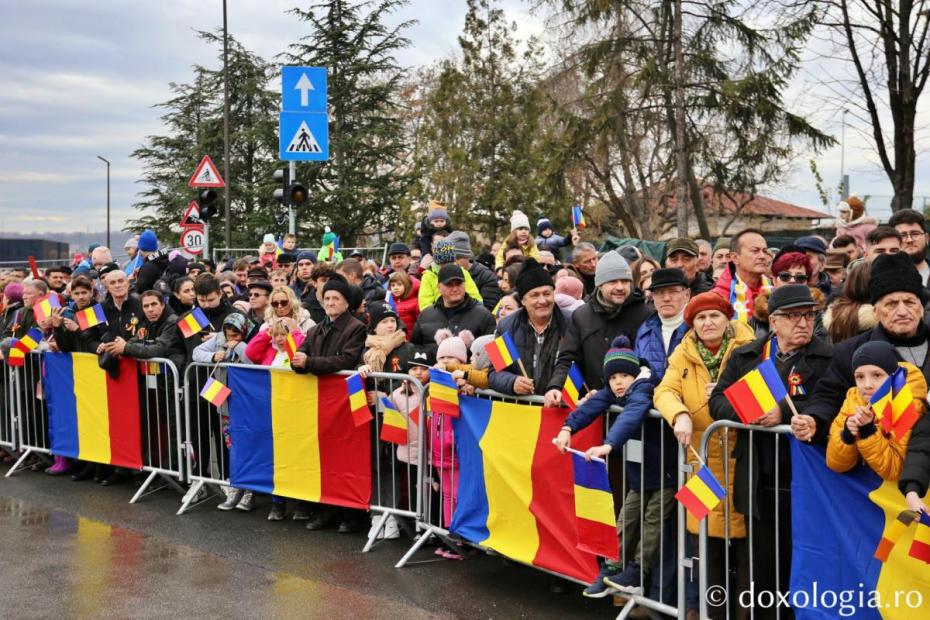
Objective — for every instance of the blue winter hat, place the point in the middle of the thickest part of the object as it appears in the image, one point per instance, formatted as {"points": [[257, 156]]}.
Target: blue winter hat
{"points": [[543, 224], [148, 242], [306, 255], [620, 358]]}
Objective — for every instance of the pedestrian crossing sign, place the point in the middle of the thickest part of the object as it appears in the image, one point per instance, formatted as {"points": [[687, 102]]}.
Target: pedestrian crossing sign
{"points": [[304, 136]]}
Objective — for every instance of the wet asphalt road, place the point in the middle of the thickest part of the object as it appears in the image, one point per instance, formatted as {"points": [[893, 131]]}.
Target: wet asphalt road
{"points": [[80, 550]]}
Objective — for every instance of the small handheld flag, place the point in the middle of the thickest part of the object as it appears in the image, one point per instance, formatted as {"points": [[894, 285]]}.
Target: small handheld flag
{"points": [[757, 393], [393, 425], [415, 416], [701, 493], [392, 302], [358, 402], [594, 508], [443, 393], [43, 308], [90, 317], [193, 322], [215, 392], [502, 351], [16, 356], [572, 388], [578, 218], [920, 548], [30, 341], [904, 412], [290, 346], [893, 533]]}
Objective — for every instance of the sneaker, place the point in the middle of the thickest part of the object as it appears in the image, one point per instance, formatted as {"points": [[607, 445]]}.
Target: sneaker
{"points": [[599, 587], [391, 529], [232, 498], [301, 514], [194, 498], [627, 580], [245, 504], [277, 512]]}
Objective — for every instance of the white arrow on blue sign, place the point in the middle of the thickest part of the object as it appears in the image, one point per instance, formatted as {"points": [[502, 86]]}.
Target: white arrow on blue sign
{"points": [[303, 89]]}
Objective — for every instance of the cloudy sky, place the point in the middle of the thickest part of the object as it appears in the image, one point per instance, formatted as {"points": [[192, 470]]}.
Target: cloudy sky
{"points": [[78, 79]]}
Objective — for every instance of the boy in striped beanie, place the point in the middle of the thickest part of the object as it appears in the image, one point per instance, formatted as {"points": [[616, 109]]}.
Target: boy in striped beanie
{"points": [[651, 484]]}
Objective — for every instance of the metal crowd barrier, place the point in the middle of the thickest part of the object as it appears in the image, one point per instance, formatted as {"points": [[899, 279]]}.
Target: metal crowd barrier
{"points": [[377, 252], [7, 409], [721, 600], [159, 407], [396, 483], [662, 591]]}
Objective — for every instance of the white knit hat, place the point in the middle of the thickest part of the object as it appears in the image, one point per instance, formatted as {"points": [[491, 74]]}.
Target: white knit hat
{"points": [[519, 220]]}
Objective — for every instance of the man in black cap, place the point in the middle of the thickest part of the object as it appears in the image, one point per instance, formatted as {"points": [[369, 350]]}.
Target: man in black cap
{"points": [[454, 310], [537, 330], [898, 297], [682, 253], [483, 277], [259, 295], [762, 480], [659, 334]]}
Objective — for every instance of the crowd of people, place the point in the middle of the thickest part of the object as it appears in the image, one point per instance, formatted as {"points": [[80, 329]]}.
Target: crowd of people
{"points": [[836, 316]]}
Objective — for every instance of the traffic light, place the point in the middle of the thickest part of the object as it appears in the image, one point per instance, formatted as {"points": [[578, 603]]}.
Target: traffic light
{"points": [[206, 200], [292, 194]]}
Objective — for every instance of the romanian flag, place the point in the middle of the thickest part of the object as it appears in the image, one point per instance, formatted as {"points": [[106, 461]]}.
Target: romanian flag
{"points": [[515, 494], [881, 399], [290, 347], [920, 548], [149, 368], [594, 508], [904, 412], [701, 493], [292, 435], [443, 393], [891, 536], [90, 317], [193, 322], [502, 351], [391, 301], [91, 415], [16, 356], [415, 416], [578, 218], [572, 388], [215, 392], [43, 308], [837, 520], [760, 390], [29, 341], [393, 425], [358, 401]]}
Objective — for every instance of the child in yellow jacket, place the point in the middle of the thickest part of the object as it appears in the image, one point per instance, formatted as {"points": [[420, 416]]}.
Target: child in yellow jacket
{"points": [[855, 433]]}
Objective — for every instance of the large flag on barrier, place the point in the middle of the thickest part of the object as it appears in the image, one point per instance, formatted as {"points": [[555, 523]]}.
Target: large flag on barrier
{"points": [[861, 509], [91, 415], [516, 492], [293, 435]]}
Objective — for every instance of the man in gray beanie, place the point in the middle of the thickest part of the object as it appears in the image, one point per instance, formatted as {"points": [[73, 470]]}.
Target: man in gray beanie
{"points": [[484, 278], [615, 308]]}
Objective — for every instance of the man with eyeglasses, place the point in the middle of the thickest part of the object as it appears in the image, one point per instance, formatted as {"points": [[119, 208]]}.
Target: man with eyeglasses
{"points": [[898, 297], [911, 226], [762, 479]]}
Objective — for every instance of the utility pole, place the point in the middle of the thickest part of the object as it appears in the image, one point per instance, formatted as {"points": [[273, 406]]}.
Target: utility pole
{"points": [[107, 162], [228, 236], [844, 180], [681, 193]]}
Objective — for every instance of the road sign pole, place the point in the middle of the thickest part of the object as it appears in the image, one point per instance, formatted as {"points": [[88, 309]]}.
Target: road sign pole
{"points": [[206, 240], [291, 218]]}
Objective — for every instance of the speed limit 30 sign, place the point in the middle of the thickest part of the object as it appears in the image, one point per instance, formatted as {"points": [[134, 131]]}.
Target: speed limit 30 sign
{"points": [[192, 240]]}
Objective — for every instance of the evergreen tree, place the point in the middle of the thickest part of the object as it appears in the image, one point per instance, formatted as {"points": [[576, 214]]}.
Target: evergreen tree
{"points": [[358, 190]]}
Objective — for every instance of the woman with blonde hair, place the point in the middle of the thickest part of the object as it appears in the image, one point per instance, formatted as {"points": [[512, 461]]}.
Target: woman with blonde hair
{"points": [[283, 303]]}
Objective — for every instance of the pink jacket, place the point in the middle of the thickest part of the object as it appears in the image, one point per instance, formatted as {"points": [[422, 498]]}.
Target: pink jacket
{"points": [[261, 349], [405, 403], [442, 443]]}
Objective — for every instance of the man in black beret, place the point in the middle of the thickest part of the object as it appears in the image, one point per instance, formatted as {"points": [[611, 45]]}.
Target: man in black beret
{"points": [[259, 295]]}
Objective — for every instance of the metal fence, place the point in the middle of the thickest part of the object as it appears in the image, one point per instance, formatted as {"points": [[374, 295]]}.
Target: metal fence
{"points": [[378, 253], [7, 409]]}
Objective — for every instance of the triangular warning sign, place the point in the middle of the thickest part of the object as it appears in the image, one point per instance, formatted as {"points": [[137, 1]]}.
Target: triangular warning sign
{"points": [[303, 141], [191, 216], [206, 175]]}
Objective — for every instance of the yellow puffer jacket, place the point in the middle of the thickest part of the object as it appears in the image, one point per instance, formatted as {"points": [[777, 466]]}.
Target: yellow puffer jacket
{"points": [[529, 251], [883, 453], [684, 390]]}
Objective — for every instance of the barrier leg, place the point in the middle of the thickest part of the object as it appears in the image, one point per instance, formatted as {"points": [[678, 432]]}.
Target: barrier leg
{"points": [[168, 482], [373, 536], [627, 608], [18, 463], [194, 490]]}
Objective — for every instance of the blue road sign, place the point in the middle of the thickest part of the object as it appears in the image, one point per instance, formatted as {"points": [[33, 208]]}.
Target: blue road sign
{"points": [[303, 89], [304, 136]]}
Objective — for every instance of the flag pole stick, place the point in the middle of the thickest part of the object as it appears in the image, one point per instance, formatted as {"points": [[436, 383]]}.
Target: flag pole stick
{"points": [[522, 368], [581, 454], [695, 453], [794, 410]]}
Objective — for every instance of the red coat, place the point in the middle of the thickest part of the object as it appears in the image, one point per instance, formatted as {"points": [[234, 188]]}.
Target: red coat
{"points": [[409, 309], [261, 349]]}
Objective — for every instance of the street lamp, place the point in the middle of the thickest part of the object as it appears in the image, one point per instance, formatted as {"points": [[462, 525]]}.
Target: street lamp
{"points": [[844, 180], [107, 162]]}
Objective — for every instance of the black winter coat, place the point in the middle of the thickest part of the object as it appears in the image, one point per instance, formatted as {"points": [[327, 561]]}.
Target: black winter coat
{"points": [[593, 327], [159, 339], [810, 363], [215, 316], [524, 336], [151, 271], [468, 315], [915, 476], [334, 347], [487, 285], [124, 321]]}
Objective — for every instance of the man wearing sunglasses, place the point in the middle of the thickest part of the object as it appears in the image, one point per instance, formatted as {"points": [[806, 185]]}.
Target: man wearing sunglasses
{"points": [[259, 293]]}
